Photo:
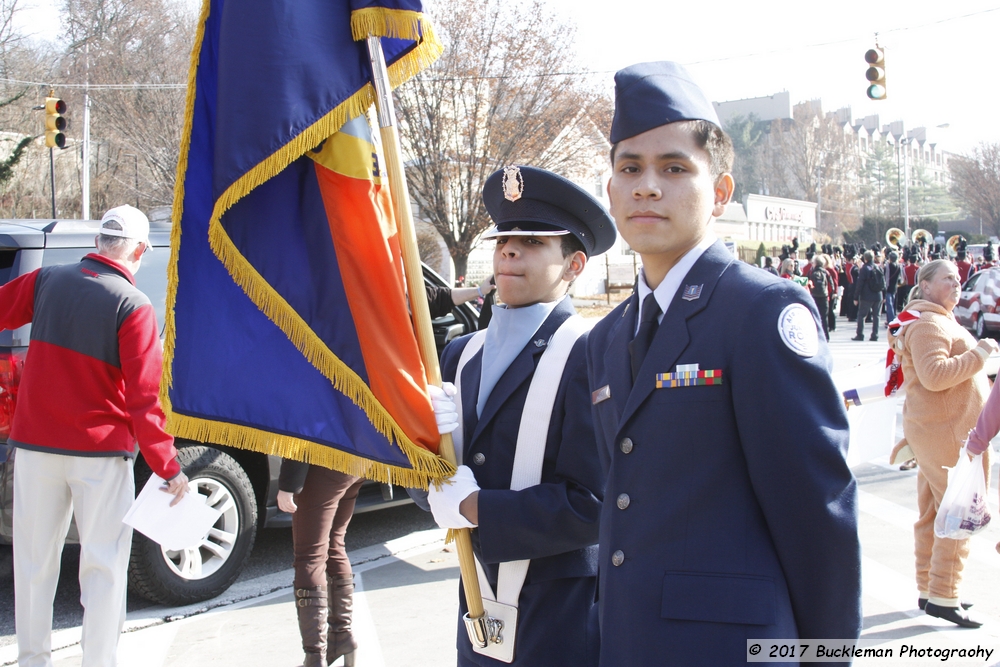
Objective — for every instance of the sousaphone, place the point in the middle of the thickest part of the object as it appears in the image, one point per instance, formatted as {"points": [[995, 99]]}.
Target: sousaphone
{"points": [[952, 245], [894, 236], [922, 237]]}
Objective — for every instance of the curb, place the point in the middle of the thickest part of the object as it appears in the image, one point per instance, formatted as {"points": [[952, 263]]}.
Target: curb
{"points": [[364, 559]]}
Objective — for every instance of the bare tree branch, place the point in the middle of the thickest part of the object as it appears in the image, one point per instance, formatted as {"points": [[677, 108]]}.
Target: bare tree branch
{"points": [[811, 157], [483, 105], [976, 183]]}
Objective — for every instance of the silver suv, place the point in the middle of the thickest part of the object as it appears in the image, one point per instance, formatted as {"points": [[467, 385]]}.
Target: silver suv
{"points": [[240, 483]]}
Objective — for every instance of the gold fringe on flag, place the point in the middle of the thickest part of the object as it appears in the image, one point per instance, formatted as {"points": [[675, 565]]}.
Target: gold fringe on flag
{"points": [[385, 22], [426, 467], [177, 210], [312, 347], [401, 24]]}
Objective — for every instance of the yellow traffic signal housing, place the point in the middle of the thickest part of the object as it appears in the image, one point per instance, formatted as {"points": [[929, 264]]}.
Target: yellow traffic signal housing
{"points": [[876, 73], [55, 122]]}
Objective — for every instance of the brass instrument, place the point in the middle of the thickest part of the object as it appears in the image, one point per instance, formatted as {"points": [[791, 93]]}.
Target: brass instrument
{"points": [[952, 245], [922, 237], [893, 237]]}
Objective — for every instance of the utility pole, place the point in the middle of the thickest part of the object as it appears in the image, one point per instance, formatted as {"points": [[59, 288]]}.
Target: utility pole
{"points": [[819, 197], [52, 182], [906, 186], [899, 179], [85, 181], [135, 163]]}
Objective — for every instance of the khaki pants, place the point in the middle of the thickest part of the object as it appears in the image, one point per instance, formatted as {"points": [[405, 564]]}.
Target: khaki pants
{"points": [[940, 561], [49, 489]]}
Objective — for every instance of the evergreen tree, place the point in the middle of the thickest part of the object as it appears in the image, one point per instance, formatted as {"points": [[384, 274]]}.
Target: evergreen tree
{"points": [[7, 166], [761, 254], [928, 197], [878, 186], [748, 134], [874, 227]]}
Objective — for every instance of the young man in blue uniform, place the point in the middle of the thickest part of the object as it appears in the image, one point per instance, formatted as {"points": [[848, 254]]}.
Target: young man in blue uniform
{"points": [[532, 482], [730, 513]]}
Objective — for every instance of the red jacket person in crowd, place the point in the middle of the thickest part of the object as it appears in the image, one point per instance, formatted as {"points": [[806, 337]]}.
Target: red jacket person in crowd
{"points": [[89, 391]]}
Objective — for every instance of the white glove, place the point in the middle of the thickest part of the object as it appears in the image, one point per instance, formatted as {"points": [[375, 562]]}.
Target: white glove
{"points": [[445, 410], [444, 503], [988, 345]]}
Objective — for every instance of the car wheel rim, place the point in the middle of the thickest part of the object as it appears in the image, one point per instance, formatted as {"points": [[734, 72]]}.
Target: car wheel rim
{"points": [[213, 550]]}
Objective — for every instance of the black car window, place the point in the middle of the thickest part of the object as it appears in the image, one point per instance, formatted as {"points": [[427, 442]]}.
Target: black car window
{"points": [[6, 265], [151, 277], [971, 283]]}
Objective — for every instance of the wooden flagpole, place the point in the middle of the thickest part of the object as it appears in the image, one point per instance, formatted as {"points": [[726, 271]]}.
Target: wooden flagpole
{"points": [[479, 629]]}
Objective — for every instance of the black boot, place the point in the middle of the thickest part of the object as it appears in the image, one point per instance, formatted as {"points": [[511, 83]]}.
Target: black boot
{"points": [[954, 614], [310, 605], [341, 641], [922, 602]]}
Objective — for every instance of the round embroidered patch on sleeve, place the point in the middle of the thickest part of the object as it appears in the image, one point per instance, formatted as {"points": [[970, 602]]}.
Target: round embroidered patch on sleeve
{"points": [[797, 329]]}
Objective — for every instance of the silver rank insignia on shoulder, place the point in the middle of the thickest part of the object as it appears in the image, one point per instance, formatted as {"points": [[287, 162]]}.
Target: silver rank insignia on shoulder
{"points": [[691, 292], [798, 331], [513, 183], [540, 342]]}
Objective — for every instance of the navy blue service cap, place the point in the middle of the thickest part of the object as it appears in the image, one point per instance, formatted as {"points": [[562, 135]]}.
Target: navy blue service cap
{"points": [[649, 95], [528, 201]]}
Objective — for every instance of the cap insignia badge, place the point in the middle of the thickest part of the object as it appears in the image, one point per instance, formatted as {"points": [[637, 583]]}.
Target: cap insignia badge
{"points": [[513, 183], [691, 292]]}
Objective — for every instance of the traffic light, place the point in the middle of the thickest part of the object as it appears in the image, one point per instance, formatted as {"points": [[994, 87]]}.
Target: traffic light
{"points": [[55, 122], [876, 73]]}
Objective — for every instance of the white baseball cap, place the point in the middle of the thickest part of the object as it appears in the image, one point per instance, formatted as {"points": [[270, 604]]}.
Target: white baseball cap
{"points": [[134, 223]]}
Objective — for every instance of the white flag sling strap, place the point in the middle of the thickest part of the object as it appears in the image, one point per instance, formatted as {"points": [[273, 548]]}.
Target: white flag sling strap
{"points": [[474, 345], [527, 471]]}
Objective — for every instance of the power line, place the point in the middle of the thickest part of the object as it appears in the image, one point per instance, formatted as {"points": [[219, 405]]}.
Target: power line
{"points": [[100, 86], [744, 56], [182, 86], [846, 40]]}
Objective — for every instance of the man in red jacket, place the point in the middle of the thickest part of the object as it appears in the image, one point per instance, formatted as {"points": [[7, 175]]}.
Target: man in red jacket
{"points": [[88, 392]]}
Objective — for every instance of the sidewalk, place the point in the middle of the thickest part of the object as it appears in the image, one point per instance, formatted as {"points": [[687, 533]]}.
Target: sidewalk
{"points": [[407, 591], [406, 603]]}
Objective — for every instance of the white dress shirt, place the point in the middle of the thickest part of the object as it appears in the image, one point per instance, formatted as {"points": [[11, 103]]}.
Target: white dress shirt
{"points": [[668, 287]]}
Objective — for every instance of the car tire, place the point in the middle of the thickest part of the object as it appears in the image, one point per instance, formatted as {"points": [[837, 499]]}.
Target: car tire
{"points": [[206, 571], [980, 326]]}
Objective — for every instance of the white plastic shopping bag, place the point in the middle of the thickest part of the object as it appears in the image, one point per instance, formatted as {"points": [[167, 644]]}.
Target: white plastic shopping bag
{"points": [[963, 510]]}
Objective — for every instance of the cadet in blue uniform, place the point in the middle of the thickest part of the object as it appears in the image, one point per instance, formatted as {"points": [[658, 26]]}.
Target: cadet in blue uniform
{"points": [[730, 513], [532, 482]]}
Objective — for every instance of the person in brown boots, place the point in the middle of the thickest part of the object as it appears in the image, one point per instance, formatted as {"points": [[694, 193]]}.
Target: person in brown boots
{"points": [[321, 502], [942, 367]]}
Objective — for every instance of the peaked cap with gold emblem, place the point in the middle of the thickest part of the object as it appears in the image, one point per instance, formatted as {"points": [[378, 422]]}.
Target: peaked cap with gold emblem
{"points": [[528, 201]]}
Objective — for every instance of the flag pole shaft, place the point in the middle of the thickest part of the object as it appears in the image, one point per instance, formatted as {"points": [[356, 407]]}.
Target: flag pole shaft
{"points": [[415, 287]]}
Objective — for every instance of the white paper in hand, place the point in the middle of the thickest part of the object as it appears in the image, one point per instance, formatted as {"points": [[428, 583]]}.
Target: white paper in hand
{"points": [[174, 528]]}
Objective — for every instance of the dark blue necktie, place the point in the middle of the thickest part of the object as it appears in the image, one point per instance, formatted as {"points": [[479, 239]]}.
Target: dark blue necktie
{"points": [[648, 323]]}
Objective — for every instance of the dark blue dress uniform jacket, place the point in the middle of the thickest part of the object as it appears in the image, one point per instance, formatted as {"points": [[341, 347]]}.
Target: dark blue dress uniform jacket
{"points": [[741, 521], [555, 523]]}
